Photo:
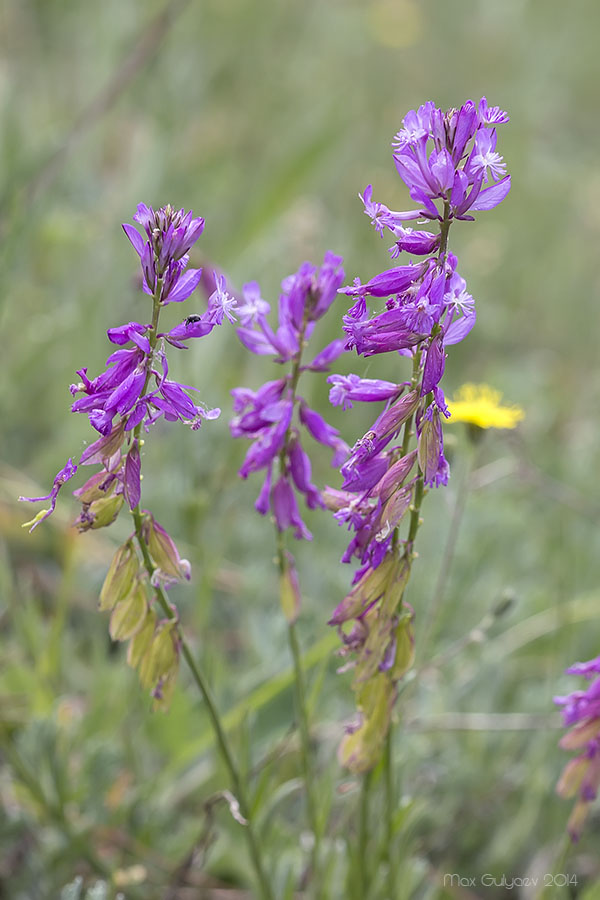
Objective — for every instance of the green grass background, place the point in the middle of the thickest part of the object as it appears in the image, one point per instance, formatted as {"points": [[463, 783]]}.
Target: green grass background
{"points": [[267, 118]]}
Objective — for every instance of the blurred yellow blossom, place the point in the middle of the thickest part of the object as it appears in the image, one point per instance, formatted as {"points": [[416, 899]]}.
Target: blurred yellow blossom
{"points": [[479, 404]]}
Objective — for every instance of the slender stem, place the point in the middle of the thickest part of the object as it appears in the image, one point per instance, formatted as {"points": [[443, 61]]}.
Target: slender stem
{"points": [[197, 675], [363, 835], [439, 592], [311, 805], [211, 706], [299, 680], [390, 805], [414, 523]]}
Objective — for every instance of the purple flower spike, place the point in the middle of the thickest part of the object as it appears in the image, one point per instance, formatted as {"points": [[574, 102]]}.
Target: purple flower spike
{"points": [[347, 388], [324, 433], [267, 415], [581, 776]]}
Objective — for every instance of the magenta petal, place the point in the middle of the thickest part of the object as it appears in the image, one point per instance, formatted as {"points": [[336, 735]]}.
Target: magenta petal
{"points": [[255, 341], [434, 365], [323, 359], [132, 484], [135, 237], [492, 196], [460, 328], [186, 285]]}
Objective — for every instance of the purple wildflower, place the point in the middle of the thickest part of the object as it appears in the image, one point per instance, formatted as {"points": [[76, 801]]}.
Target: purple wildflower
{"points": [[134, 390], [266, 416], [451, 167]]}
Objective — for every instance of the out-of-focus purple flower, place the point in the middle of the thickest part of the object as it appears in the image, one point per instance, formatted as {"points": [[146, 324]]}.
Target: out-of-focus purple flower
{"points": [[253, 306], [220, 303], [65, 474], [285, 510], [347, 388], [581, 776], [267, 416]]}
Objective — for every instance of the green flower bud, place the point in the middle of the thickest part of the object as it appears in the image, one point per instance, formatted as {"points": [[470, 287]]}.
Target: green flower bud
{"points": [[129, 615], [361, 747], [99, 513], [119, 579]]}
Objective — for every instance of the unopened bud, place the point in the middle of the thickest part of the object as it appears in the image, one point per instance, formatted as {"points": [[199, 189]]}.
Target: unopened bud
{"points": [[99, 513], [120, 576]]}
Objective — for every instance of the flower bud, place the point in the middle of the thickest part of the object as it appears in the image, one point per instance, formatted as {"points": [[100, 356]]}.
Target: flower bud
{"points": [[104, 447], [129, 615], [361, 747], [163, 551], [160, 657], [100, 485], [370, 587], [119, 578], [99, 513], [405, 644], [141, 640], [132, 481]]}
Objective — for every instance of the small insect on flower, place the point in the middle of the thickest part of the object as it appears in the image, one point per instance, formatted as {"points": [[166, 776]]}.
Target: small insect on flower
{"points": [[191, 320]]}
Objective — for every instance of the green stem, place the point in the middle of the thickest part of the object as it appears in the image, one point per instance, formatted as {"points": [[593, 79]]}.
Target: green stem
{"points": [[441, 584], [363, 835], [390, 796], [302, 712], [414, 523], [211, 706], [299, 680], [197, 675]]}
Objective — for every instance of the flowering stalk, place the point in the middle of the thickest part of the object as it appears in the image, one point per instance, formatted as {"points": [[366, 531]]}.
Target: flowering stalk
{"points": [[136, 391], [267, 417], [444, 159]]}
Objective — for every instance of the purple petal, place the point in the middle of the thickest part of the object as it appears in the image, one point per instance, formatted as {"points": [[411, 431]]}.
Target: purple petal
{"points": [[135, 237], [255, 341], [492, 196], [434, 365], [132, 486], [323, 359], [186, 285], [460, 328]]}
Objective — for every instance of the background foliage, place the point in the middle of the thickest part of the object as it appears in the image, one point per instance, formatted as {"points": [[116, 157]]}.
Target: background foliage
{"points": [[268, 118]]}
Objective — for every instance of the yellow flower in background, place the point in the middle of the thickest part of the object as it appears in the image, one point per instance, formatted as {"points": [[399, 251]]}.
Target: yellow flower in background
{"points": [[479, 404]]}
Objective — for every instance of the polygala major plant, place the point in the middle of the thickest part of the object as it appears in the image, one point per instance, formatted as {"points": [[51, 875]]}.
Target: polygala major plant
{"points": [[131, 394], [449, 163]]}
